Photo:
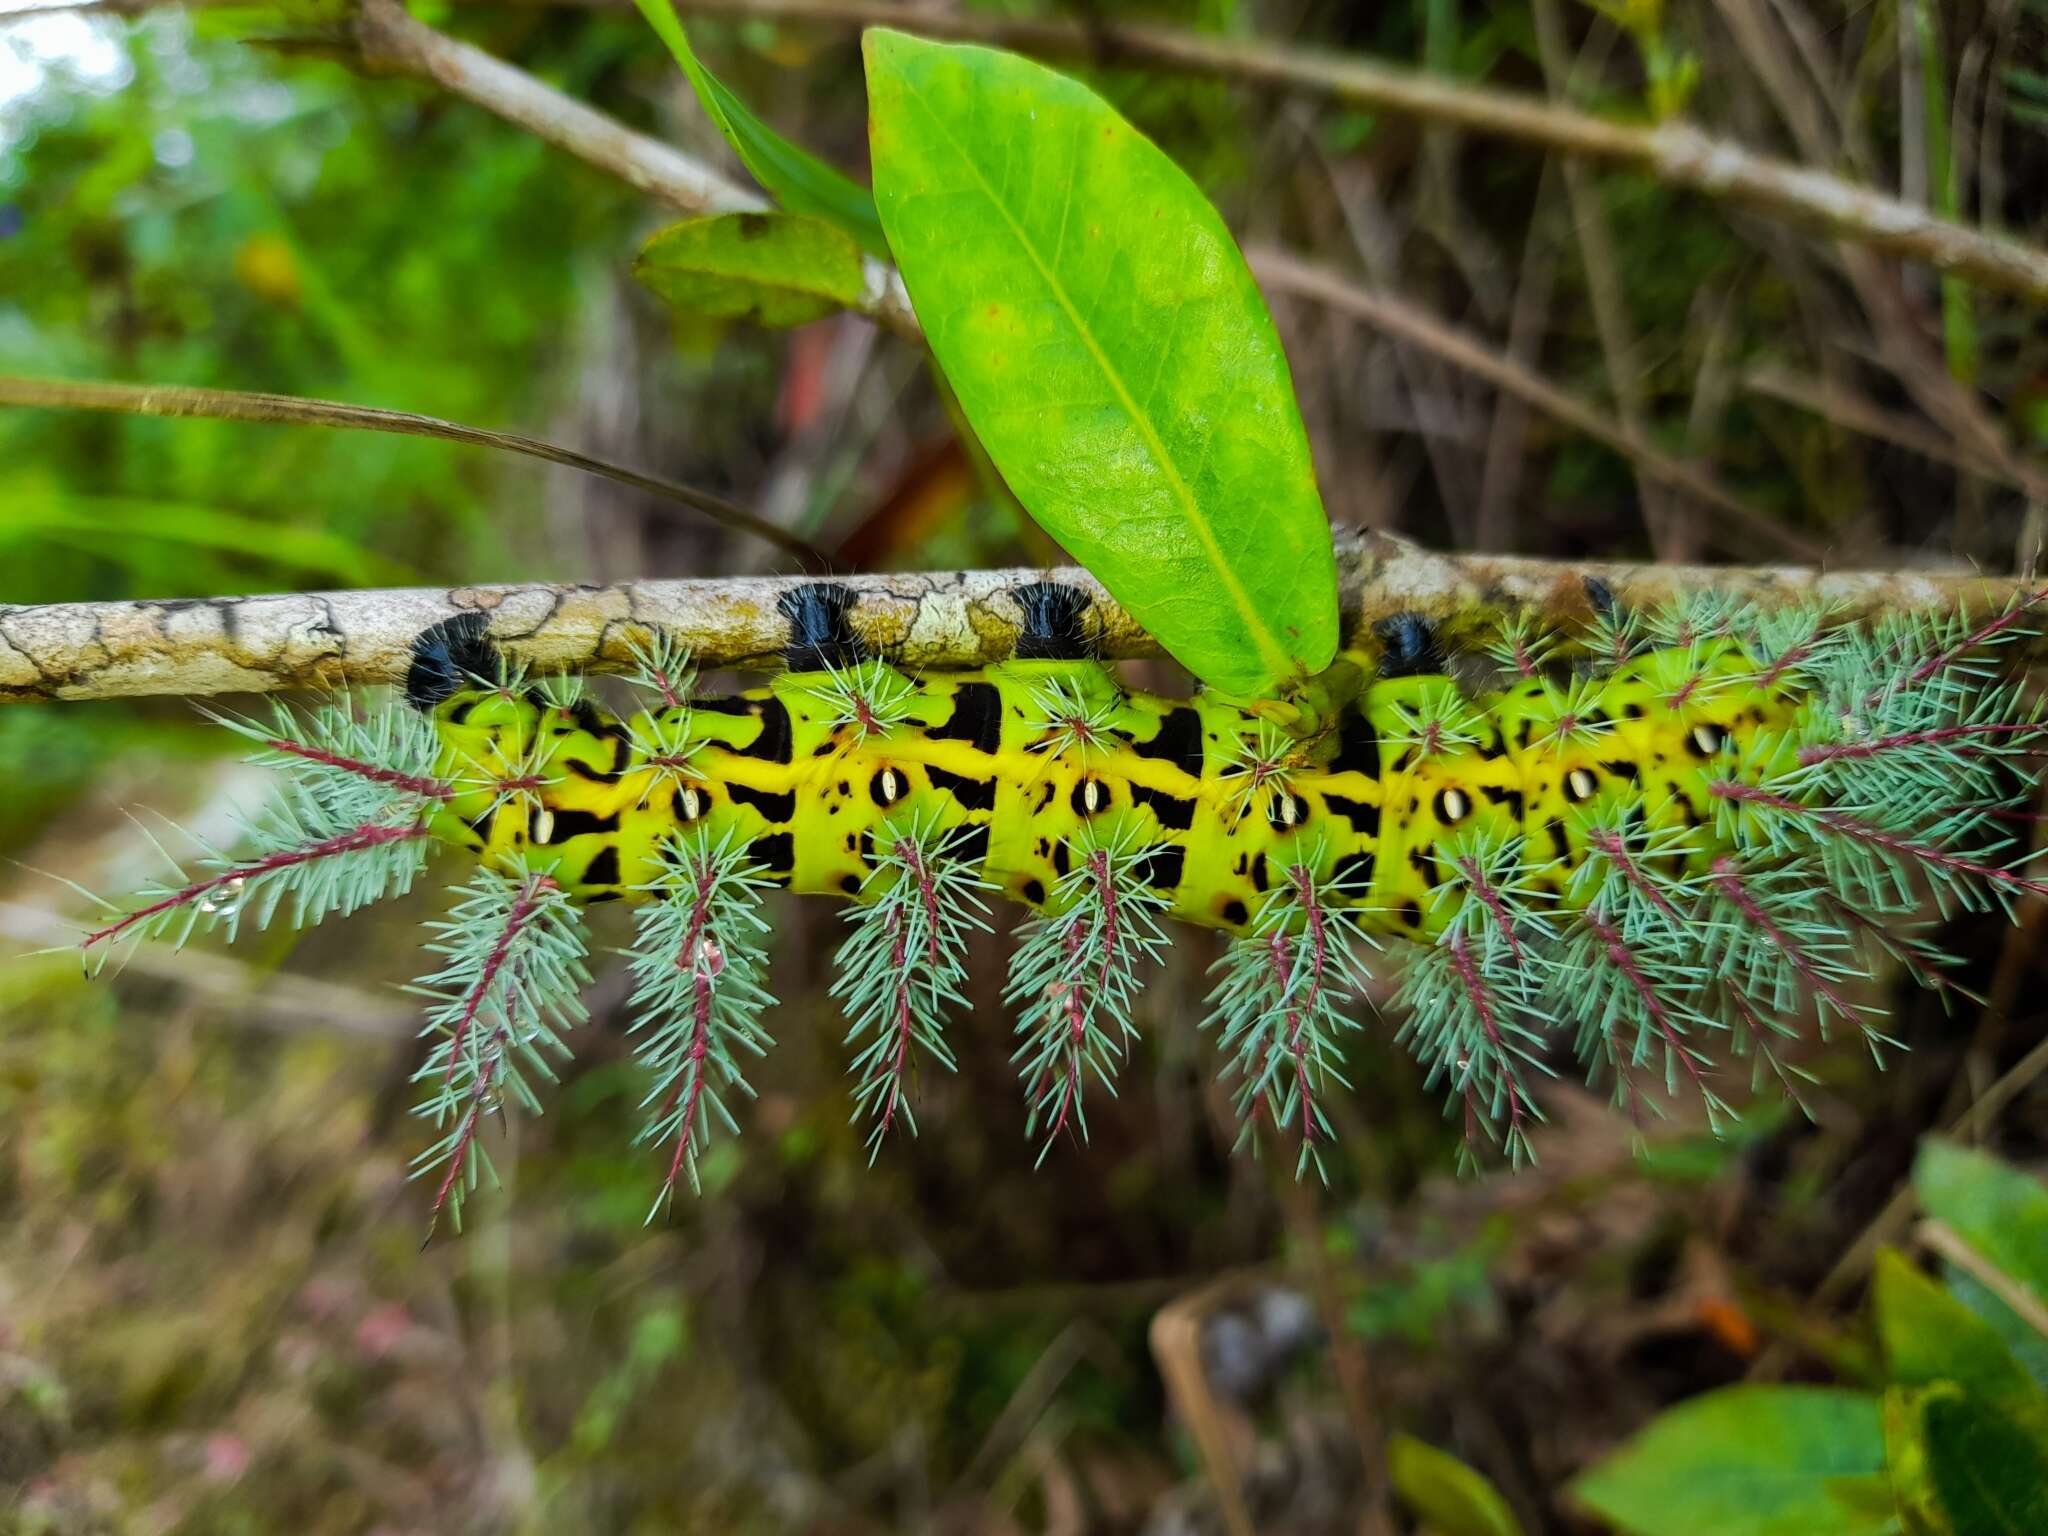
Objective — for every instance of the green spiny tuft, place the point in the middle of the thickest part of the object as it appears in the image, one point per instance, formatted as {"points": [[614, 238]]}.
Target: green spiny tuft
{"points": [[699, 964]]}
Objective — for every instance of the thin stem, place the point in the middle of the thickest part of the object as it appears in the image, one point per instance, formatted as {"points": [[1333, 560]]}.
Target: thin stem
{"points": [[1674, 152], [1280, 272], [293, 410]]}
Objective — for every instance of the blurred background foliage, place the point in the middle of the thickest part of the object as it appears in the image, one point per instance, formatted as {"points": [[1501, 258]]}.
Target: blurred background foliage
{"points": [[213, 1316]]}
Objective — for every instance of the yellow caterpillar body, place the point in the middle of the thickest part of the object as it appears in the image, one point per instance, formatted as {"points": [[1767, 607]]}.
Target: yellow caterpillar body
{"points": [[1029, 762]]}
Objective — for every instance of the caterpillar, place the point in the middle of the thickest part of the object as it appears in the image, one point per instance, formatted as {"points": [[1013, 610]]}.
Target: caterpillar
{"points": [[1673, 847], [1020, 760]]}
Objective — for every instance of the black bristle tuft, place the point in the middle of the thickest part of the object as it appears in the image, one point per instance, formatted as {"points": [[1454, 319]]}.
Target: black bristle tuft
{"points": [[1602, 597], [819, 635], [1055, 622], [450, 656], [1411, 646]]}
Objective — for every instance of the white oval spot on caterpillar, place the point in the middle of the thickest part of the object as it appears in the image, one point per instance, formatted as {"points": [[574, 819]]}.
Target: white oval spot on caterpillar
{"points": [[1708, 737], [1456, 806], [892, 787], [544, 826], [691, 802], [1580, 784], [1288, 808], [1091, 796]]}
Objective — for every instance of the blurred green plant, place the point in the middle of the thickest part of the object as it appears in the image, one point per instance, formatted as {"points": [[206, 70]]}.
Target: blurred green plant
{"points": [[1953, 1442]]}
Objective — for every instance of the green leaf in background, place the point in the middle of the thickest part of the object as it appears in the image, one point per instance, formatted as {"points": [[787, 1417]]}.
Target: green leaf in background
{"points": [[1448, 1497], [1110, 347], [1905, 1459], [1929, 1336], [796, 178], [1990, 1477], [1996, 1209], [776, 269], [123, 529], [1750, 1461]]}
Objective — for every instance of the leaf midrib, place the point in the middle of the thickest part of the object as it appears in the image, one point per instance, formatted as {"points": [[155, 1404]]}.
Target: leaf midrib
{"points": [[1271, 652]]}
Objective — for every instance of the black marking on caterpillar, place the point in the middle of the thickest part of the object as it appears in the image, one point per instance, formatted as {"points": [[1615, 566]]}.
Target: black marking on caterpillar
{"points": [[1175, 812], [776, 808], [1055, 623], [1178, 741], [1411, 646], [977, 718], [820, 636], [973, 794]]}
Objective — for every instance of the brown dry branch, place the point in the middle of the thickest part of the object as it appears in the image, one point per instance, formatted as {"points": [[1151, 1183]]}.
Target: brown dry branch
{"points": [[293, 410], [1857, 413], [393, 42], [1280, 272], [1674, 152], [201, 646], [1942, 1239], [1677, 153]]}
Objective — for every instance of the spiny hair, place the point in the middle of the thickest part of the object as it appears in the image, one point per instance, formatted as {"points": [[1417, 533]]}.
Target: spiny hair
{"points": [[1684, 838]]}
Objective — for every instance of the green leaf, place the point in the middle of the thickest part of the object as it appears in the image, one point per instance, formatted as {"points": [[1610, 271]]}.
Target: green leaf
{"points": [[1929, 1336], [1989, 1476], [1905, 1459], [1107, 342], [1750, 1461], [1996, 1209], [777, 269], [796, 178], [1446, 1495]]}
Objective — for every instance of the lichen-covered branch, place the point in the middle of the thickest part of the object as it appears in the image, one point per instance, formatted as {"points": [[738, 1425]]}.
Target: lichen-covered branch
{"points": [[200, 646]]}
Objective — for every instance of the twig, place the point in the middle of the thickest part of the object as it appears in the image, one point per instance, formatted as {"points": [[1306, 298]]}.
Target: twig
{"points": [[1892, 1221], [1219, 1429], [1347, 1354], [1858, 414], [213, 645], [1946, 1241], [1604, 287], [1506, 450], [1901, 345], [1281, 272], [293, 410], [1674, 152], [392, 41]]}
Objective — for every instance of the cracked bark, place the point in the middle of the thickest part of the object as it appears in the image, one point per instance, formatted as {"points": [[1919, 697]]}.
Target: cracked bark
{"points": [[201, 646]]}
